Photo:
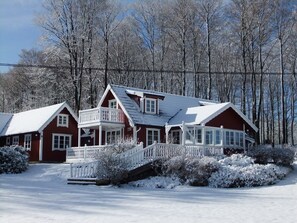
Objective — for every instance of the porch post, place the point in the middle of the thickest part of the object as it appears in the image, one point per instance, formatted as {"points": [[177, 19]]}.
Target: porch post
{"points": [[167, 132], [94, 137], [203, 134], [222, 135], [184, 134], [243, 138], [100, 135], [134, 134], [79, 137]]}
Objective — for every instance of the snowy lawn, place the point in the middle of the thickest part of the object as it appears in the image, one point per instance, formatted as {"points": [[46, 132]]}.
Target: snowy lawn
{"points": [[42, 195]]}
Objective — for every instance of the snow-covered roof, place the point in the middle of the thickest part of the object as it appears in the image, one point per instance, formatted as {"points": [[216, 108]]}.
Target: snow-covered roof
{"points": [[4, 119], [197, 115], [168, 107], [34, 120]]}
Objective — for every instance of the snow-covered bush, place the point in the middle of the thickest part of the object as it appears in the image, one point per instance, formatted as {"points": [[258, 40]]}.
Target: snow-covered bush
{"points": [[111, 167], [157, 182], [195, 171], [279, 156], [240, 171], [13, 159]]}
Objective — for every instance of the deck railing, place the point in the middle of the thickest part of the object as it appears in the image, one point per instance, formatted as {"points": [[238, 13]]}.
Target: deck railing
{"points": [[85, 153], [139, 156], [102, 114]]}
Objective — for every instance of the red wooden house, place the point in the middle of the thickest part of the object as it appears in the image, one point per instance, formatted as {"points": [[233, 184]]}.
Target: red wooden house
{"points": [[45, 132], [149, 116]]}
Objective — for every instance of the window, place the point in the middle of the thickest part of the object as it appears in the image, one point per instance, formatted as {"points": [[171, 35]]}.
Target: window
{"points": [[113, 136], [61, 142], [27, 141], [237, 138], [241, 139], [112, 103], [15, 140], [8, 141], [218, 137], [198, 135], [190, 135], [227, 138], [231, 138], [208, 137], [150, 106], [63, 120], [152, 135]]}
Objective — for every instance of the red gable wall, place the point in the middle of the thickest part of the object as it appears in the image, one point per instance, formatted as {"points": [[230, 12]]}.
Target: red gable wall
{"points": [[56, 155], [231, 120]]}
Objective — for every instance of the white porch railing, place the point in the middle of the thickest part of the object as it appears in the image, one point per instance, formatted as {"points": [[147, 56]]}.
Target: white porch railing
{"points": [[84, 170], [83, 153], [139, 156], [102, 114]]}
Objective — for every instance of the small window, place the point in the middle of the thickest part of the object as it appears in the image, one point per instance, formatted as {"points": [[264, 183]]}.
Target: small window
{"points": [[8, 141], [61, 142], [150, 105], [112, 103], [63, 120], [15, 140], [218, 137], [209, 137], [198, 135], [27, 141]]}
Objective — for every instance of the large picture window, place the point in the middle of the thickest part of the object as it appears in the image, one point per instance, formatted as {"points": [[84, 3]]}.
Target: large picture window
{"points": [[27, 141], [152, 135], [61, 142], [63, 120]]}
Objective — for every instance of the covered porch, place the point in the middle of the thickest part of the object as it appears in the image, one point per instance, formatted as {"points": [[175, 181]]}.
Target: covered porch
{"points": [[206, 136]]}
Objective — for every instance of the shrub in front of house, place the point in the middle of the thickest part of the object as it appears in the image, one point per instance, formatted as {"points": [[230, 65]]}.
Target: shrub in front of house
{"points": [[278, 156], [240, 171], [112, 165], [13, 159], [194, 171]]}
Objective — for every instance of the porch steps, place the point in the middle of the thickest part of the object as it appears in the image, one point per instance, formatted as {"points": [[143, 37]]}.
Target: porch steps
{"points": [[82, 181]]}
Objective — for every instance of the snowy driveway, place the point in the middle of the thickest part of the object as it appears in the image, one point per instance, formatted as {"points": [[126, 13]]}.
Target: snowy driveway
{"points": [[42, 195]]}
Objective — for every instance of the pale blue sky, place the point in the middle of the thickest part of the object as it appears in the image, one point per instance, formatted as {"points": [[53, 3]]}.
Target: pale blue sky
{"points": [[17, 29]]}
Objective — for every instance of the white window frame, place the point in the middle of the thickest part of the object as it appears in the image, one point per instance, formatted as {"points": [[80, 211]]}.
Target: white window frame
{"points": [[117, 137], [8, 141], [113, 103], [27, 141], [153, 130], [209, 139], [15, 140], [148, 106], [63, 117], [59, 141]]}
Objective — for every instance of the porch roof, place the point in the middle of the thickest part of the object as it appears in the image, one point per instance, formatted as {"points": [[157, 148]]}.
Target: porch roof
{"points": [[203, 114]]}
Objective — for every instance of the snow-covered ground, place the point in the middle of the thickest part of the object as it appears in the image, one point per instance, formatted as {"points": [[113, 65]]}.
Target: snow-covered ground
{"points": [[42, 195]]}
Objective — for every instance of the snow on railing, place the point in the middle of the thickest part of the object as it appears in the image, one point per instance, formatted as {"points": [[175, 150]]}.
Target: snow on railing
{"points": [[139, 156], [83, 153], [83, 170], [96, 115]]}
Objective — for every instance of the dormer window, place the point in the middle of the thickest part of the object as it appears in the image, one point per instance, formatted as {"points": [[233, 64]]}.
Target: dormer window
{"points": [[62, 120], [112, 103], [150, 106]]}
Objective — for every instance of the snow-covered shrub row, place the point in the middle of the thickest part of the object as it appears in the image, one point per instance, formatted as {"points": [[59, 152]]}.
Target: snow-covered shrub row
{"points": [[13, 159], [240, 171], [279, 156], [157, 182], [194, 171]]}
